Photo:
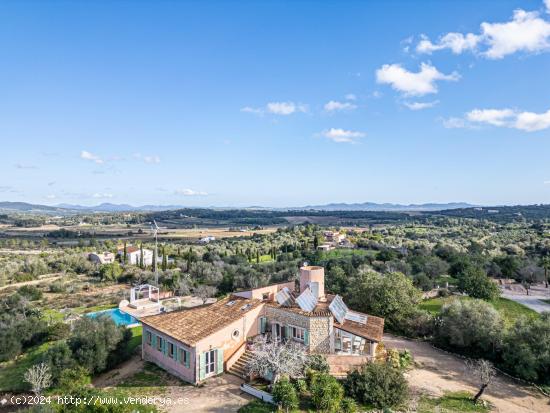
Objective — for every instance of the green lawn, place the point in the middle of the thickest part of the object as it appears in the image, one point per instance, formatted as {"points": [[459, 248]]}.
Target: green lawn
{"points": [[546, 301], [263, 258], [508, 309], [136, 338], [456, 402], [432, 305], [257, 406], [11, 372], [511, 311]]}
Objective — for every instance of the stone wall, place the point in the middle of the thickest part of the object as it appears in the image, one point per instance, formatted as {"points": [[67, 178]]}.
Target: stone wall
{"points": [[320, 329]]}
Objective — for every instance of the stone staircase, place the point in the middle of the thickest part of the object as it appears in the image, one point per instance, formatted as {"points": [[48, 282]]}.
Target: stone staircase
{"points": [[239, 368]]}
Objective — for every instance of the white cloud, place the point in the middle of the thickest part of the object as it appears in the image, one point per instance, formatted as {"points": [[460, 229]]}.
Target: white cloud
{"points": [[530, 121], [335, 106], [342, 136], [351, 96], [102, 195], [285, 108], [547, 182], [50, 196], [147, 158], [190, 192], [410, 83], [457, 42], [91, 157], [505, 118], [420, 105], [526, 32], [495, 117], [277, 108], [454, 123], [547, 4]]}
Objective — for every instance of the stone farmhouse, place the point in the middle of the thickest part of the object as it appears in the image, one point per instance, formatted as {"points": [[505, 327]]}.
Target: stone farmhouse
{"points": [[197, 343]]}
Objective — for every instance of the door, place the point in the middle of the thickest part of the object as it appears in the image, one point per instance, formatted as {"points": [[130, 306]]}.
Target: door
{"points": [[210, 362]]}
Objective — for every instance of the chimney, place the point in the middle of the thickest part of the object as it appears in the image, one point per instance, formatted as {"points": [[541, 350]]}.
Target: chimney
{"points": [[314, 278]]}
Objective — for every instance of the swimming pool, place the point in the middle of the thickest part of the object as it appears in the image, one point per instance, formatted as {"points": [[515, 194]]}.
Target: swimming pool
{"points": [[119, 317]]}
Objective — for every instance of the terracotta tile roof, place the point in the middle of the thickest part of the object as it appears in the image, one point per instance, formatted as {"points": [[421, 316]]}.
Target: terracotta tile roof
{"points": [[192, 325]]}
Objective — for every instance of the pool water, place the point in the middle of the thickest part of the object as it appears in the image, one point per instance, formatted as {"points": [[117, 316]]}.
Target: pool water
{"points": [[119, 317]]}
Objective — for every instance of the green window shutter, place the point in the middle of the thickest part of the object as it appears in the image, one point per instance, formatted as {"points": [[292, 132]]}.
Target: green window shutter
{"points": [[177, 355], [306, 337], [164, 346], [202, 366], [288, 332], [262, 325], [187, 359], [220, 361]]}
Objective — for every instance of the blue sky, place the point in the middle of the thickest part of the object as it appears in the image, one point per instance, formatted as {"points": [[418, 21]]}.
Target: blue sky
{"points": [[275, 103]]}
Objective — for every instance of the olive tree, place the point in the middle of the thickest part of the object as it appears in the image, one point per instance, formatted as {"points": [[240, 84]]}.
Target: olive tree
{"points": [[276, 359]]}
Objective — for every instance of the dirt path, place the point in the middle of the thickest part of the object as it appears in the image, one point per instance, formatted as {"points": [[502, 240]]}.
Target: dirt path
{"points": [[119, 374], [220, 394], [32, 282], [438, 372]]}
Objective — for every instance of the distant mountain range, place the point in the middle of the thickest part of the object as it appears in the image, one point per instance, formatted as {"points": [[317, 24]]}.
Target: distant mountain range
{"points": [[371, 206], [64, 209]]}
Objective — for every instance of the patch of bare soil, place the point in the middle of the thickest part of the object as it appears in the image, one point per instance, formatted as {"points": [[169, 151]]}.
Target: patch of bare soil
{"points": [[438, 372]]}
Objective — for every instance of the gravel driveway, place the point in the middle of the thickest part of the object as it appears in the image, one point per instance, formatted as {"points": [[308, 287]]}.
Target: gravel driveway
{"points": [[438, 372]]}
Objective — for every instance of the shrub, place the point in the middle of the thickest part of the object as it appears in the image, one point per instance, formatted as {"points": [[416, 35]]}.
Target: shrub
{"points": [[284, 394], [30, 292], [301, 386], [348, 405], [59, 358], [57, 287], [319, 363], [10, 344], [473, 327], [525, 350], [58, 331], [326, 393], [74, 380], [377, 384]]}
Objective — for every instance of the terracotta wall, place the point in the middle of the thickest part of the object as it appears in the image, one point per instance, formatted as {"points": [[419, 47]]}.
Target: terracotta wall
{"points": [[150, 353]]}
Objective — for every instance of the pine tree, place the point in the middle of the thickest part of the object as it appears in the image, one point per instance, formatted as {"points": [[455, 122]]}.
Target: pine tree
{"points": [[125, 254], [257, 256], [141, 261], [154, 259]]}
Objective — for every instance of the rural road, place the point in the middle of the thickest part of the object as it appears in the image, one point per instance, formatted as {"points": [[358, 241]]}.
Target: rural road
{"points": [[46, 278], [438, 372]]}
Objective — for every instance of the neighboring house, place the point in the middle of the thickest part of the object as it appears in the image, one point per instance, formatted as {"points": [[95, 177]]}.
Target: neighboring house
{"points": [[325, 247], [102, 258], [334, 237], [207, 239], [200, 342], [133, 255]]}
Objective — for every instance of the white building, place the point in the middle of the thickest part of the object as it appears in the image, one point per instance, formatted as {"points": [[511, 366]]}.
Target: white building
{"points": [[101, 258], [133, 255]]}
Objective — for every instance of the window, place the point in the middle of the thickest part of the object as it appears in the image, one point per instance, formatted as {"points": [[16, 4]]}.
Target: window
{"points": [[171, 350], [159, 343], [265, 296], [297, 333], [235, 334], [149, 337], [184, 357], [210, 365]]}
